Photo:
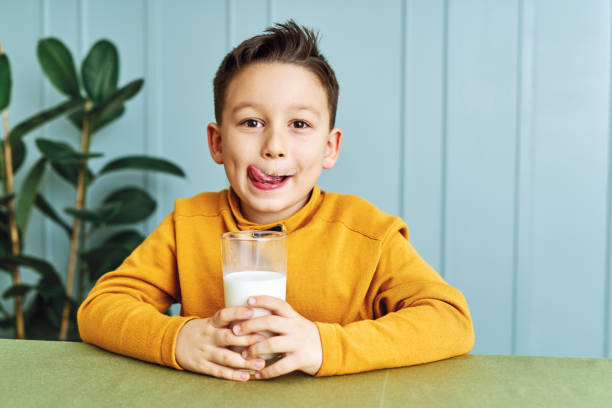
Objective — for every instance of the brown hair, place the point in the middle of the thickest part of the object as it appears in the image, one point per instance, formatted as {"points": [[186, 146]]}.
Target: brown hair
{"points": [[288, 43]]}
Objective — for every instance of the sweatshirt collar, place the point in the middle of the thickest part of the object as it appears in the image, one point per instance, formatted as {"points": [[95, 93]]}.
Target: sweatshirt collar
{"points": [[287, 225]]}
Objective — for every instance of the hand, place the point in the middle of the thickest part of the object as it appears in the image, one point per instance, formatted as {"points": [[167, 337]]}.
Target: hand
{"points": [[298, 338], [201, 345]]}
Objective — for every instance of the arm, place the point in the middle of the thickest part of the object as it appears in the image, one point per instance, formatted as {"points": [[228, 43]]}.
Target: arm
{"points": [[123, 313], [418, 318]]}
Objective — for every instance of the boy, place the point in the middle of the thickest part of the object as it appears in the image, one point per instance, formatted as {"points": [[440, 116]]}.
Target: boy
{"points": [[359, 297]]}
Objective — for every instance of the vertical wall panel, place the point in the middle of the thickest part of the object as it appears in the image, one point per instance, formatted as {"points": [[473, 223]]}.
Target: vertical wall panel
{"points": [[482, 59], [560, 304], [367, 65], [65, 23], [608, 265], [423, 126], [250, 18], [153, 95], [607, 352], [25, 94], [435, 104], [126, 135], [25, 101], [193, 44], [525, 161]]}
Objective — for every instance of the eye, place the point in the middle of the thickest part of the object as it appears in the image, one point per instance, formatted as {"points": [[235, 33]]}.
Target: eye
{"points": [[252, 123], [300, 124]]}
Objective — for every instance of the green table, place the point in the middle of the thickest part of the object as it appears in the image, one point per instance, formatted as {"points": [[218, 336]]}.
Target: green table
{"points": [[58, 374]]}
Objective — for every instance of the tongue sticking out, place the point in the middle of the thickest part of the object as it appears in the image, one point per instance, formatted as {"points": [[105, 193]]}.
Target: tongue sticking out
{"points": [[262, 177]]}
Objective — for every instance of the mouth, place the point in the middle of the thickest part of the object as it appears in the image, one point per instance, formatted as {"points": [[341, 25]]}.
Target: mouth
{"points": [[264, 181]]}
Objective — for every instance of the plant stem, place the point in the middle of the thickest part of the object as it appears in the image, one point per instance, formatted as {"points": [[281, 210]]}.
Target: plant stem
{"points": [[82, 269], [9, 188], [76, 225], [82, 273]]}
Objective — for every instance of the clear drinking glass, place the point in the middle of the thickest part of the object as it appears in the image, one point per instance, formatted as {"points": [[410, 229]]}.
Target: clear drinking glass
{"points": [[254, 263]]}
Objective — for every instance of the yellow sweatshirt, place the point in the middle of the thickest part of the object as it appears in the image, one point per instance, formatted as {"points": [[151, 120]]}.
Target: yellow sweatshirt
{"points": [[351, 270]]}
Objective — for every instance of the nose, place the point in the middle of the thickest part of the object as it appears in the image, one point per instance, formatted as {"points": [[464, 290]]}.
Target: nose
{"points": [[273, 146]]}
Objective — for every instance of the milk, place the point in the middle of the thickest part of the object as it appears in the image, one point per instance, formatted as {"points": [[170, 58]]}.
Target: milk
{"points": [[239, 286]]}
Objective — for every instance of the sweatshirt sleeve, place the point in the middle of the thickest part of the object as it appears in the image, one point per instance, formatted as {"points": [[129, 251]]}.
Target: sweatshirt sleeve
{"points": [[418, 318], [123, 313]]}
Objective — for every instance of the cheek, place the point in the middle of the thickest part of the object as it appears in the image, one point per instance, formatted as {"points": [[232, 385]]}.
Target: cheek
{"points": [[234, 151], [307, 155]]}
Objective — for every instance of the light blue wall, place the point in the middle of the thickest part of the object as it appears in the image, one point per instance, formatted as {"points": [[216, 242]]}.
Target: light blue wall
{"points": [[485, 124]]}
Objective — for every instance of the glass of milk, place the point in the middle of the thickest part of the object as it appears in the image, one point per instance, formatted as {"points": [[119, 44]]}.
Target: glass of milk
{"points": [[254, 263]]}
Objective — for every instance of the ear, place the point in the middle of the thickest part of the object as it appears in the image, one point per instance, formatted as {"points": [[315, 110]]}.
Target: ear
{"points": [[332, 148], [214, 142]]}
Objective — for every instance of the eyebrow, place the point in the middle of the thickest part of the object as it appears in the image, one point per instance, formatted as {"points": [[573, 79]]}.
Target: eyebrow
{"points": [[307, 108], [243, 105]]}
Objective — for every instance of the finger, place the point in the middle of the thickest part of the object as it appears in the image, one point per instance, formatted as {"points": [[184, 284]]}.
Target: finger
{"points": [[225, 337], [220, 371], [228, 358], [273, 304], [227, 315], [283, 366], [276, 324], [273, 345]]}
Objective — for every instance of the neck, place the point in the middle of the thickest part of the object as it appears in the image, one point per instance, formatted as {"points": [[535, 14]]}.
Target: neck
{"points": [[265, 218]]}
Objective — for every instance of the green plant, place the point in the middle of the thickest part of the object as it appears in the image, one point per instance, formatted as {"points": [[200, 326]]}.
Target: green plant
{"points": [[93, 102]]}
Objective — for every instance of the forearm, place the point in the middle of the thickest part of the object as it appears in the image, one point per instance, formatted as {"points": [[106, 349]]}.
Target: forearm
{"points": [[428, 330], [124, 324]]}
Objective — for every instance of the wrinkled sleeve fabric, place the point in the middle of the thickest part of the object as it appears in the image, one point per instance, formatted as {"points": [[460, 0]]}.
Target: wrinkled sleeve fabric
{"points": [[123, 313], [417, 317]]}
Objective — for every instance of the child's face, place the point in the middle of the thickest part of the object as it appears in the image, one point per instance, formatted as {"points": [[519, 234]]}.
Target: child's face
{"points": [[274, 139]]}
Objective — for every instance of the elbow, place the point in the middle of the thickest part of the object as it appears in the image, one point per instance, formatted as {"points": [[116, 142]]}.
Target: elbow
{"points": [[82, 321], [469, 338], [465, 337]]}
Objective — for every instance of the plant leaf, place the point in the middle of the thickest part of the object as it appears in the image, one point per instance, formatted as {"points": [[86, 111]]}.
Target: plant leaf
{"points": [[5, 238], [18, 289], [44, 315], [114, 102], [28, 192], [51, 288], [4, 312], [50, 283], [65, 160], [77, 119], [5, 199], [100, 71], [61, 152], [8, 323], [43, 117], [136, 205], [111, 253], [142, 163], [104, 258], [44, 268], [56, 62], [5, 82], [109, 110], [99, 215], [18, 150], [128, 238], [18, 153], [43, 206], [70, 172]]}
